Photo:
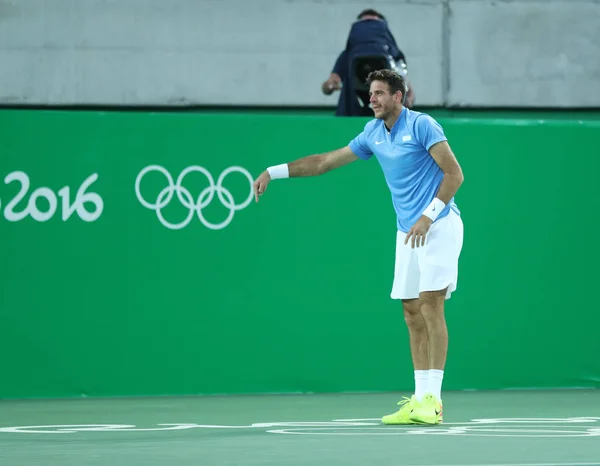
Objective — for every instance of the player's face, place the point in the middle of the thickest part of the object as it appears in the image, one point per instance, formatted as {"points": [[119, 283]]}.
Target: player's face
{"points": [[382, 100]]}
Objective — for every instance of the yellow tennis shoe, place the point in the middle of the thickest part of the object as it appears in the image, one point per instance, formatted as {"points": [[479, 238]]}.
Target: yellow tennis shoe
{"points": [[402, 416], [429, 411]]}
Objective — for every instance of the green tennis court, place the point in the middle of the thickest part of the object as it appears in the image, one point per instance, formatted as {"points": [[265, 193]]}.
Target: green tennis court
{"points": [[510, 428]]}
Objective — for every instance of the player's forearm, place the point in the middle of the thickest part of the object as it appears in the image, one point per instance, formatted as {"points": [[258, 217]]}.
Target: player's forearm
{"points": [[311, 165], [448, 189], [449, 186]]}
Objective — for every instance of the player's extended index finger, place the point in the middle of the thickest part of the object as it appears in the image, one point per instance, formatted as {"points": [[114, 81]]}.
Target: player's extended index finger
{"points": [[255, 186], [408, 235]]}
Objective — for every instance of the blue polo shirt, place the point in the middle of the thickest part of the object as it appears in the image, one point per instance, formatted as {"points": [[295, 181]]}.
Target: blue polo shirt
{"points": [[411, 173]]}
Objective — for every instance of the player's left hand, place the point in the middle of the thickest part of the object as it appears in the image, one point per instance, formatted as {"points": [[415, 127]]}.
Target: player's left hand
{"points": [[418, 232]]}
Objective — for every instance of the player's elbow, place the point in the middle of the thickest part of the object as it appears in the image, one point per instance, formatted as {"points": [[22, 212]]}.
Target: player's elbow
{"points": [[457, 176], [460, 178]]}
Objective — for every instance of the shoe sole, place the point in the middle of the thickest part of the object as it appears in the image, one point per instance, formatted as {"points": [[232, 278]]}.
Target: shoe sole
{"points": [[432, 423]]}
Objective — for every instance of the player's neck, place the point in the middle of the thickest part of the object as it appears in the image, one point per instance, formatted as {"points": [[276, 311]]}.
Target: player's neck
{"points": [[391, 120]]}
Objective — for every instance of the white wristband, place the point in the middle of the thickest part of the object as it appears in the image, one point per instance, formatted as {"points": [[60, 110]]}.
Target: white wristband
{"points": [[434, 209], [279, 171]]}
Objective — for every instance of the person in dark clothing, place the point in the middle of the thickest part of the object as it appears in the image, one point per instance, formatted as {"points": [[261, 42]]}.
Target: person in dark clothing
{"points": [[369, 36]]}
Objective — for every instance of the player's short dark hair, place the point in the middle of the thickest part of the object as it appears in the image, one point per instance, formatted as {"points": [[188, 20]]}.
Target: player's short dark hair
{"points": [[370, 12], [395, 81]]}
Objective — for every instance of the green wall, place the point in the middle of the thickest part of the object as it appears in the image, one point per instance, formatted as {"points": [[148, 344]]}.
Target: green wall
{"points": [[293, 294]]}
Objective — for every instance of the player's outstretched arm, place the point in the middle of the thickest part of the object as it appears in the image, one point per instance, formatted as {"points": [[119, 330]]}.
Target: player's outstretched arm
{"points": [[311, 165]]}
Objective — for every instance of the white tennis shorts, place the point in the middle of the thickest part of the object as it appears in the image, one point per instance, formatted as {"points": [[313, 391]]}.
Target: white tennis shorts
{"points": [[432, 267]]}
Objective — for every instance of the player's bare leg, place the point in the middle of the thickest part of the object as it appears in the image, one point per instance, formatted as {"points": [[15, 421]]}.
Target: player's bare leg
{"points": [[417, 331], [432, 310]]}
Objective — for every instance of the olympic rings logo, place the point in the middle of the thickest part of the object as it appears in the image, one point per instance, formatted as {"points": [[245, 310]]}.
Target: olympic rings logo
{"points": [[185, 197]]}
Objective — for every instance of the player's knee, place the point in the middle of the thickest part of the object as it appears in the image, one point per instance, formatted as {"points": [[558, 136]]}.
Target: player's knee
{"points": [[412, 313]]}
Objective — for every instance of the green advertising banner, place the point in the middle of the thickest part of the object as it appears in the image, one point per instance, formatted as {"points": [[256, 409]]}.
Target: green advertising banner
{"points": [[135, 260]]}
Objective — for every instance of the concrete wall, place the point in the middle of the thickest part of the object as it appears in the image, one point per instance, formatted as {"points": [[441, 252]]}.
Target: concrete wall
{"points": [[277, 52], [533, 53]]}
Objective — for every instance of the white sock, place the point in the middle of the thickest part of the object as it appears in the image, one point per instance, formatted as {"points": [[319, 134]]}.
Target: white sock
{"points": [[421, 378], [434, 382]]}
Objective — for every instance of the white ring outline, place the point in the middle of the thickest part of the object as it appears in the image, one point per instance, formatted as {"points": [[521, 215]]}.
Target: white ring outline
{"points": [[185, 197]]}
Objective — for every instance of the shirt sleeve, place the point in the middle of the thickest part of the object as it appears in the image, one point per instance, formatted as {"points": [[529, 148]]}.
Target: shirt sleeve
{"points": [[341, 65], [428, 131], [360, 146], [395, 51]]}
